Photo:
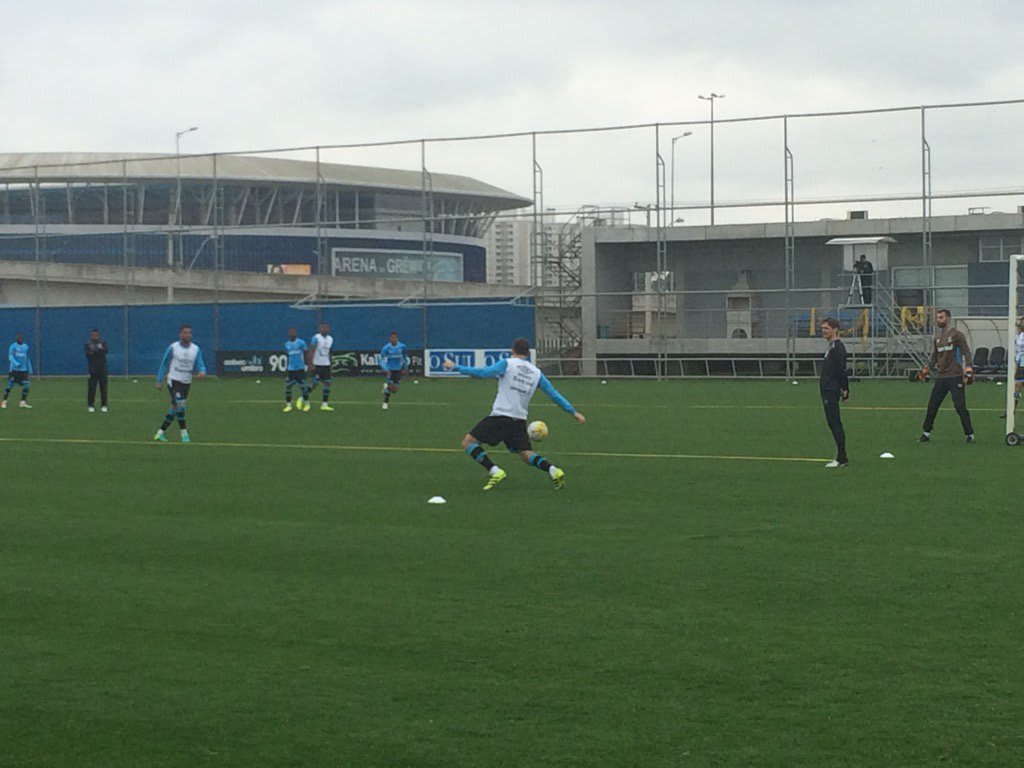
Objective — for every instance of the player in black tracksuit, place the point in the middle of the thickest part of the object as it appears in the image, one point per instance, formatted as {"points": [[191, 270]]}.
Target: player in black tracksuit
{"points": [[96, 353], [834, 386]]}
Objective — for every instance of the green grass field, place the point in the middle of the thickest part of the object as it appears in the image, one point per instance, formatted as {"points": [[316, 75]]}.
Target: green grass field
{"points": [[702, 593]]}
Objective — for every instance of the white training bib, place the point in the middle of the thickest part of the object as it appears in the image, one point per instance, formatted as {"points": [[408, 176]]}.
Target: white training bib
{"points": [[322, 349], [183, 362], [515, 388]]}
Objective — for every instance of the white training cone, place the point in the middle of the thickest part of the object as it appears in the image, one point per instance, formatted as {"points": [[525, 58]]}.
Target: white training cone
{"points": [[886, 455], [437, 500]]}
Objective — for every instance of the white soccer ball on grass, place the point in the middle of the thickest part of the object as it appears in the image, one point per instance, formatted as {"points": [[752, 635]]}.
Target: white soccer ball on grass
{"points": [[537, 430]]}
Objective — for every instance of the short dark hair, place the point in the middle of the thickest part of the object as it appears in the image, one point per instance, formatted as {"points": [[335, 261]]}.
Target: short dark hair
{"points": [[184, 326], [393, 333], [831, 322], [521, 346], [95, 330], [945, 312]]}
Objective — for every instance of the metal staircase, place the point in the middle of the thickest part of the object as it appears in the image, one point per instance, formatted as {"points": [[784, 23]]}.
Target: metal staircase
{"points": [[890, 347], [560, 292]]}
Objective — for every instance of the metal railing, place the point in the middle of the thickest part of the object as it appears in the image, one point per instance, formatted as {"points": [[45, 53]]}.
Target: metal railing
{"points": [[695, 367]]}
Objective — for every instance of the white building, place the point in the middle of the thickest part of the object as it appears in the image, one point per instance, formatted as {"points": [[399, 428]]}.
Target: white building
{"points": [[508, 251]]}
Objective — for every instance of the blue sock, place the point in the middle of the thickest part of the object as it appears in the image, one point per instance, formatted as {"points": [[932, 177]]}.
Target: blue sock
{"points": [[479, 455], [540, 462]]}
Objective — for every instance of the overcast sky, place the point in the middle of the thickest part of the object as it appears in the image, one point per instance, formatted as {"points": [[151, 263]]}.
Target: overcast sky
{"points": [[124, 76]]}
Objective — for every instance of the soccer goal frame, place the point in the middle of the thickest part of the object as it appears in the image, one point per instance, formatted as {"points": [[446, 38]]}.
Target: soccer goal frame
{"points": [[1012, 437]]}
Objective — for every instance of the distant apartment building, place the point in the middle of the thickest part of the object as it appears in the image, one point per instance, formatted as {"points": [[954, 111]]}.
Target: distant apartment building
{"points": [[508, 251], [509, 240]]}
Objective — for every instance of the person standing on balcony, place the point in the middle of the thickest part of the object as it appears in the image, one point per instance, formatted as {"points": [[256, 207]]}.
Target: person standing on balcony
{"points": [[866, 270]]}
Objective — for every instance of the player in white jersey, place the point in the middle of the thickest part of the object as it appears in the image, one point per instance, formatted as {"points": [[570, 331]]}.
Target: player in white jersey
{"points": [[518, 379], [320, 355], [180, 361]]}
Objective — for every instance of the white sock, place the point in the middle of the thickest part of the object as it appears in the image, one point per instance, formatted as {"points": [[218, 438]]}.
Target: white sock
{"points": [[552, 470], [160, 432], [495, 469], [927, 434]]}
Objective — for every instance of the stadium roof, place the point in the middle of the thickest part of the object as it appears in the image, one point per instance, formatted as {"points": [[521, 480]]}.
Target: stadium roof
{"points": [[103, 167]]}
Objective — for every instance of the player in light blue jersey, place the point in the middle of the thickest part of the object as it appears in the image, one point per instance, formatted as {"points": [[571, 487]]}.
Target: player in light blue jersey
{"points": [[19, 369], [296, 372], [518, 379], [394, 362], [181, 360]]}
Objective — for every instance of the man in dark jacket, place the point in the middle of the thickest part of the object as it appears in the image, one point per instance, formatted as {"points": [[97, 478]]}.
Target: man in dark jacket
{"points": [[950, 365], [96, 353], [835, 386]]}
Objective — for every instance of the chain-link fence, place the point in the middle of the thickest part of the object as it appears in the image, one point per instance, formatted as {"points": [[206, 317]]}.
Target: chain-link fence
{"points": [[491, 218]]}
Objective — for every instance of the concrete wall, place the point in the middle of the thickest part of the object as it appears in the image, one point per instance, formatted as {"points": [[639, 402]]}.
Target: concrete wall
{"points": [[85, 285], [253, 250], [711, 259]]}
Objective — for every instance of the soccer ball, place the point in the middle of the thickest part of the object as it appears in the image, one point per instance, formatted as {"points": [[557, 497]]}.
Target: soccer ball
{"points": [[537, 430]]}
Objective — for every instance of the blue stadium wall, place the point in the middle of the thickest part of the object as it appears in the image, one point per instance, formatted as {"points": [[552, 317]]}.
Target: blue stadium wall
{"points": [[138, 335], [242, 253]]}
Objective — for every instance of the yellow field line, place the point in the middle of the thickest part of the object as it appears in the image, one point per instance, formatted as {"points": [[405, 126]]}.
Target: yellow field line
{"points": [[398, 449], [921, 408], [158, 402]]}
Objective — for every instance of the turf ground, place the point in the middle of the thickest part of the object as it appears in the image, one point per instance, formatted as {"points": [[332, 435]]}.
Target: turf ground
{"points": [[702, 593]]}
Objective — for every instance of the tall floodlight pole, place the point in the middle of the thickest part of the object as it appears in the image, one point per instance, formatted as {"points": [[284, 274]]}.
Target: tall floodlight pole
{"points": [[710, 99], [673, 201], [177, 198]]}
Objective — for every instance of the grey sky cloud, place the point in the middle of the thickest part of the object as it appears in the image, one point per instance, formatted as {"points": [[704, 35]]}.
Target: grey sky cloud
{"points": [[110, 76]]}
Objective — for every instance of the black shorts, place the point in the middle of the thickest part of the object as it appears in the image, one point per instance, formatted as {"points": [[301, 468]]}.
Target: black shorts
{"points": [[503, 429], [395, 377], [323, 372], [299, 375], [18, 377], [178, 391]]}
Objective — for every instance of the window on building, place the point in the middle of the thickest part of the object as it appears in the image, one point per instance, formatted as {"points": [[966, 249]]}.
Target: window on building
{"points": [[999, 247], [653, 282]]}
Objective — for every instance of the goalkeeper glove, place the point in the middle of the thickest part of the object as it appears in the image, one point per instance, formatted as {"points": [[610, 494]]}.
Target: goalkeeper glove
{"points": [[923, 375]]}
